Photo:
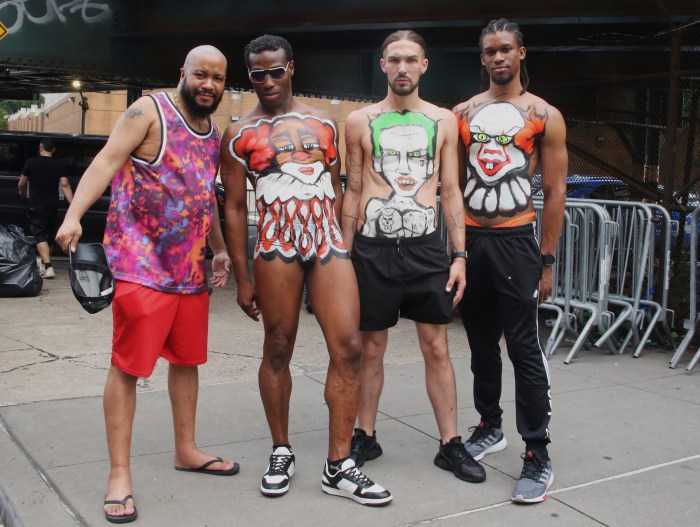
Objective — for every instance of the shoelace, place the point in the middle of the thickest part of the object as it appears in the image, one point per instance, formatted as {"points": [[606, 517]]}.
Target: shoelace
{"points": [[480, 433], [278, 464], [531, 467], [354, 475]]}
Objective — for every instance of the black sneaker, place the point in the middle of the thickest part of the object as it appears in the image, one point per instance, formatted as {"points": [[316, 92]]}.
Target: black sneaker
{"points": [[535, 479], [364, 448], [454, 456], [280, 469], [349, 482], [485, 440]]}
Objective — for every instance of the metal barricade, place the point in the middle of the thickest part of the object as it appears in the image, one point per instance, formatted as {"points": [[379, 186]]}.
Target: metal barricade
{"points": [[693, 316], [581, 276]]}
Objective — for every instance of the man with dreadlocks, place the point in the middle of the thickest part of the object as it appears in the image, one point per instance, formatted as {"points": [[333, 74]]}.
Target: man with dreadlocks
{"points": [[507, 135]]}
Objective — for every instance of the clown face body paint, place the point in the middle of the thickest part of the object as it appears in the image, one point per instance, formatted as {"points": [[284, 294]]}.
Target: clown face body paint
{"points": [[500, 140], [289, 157]]}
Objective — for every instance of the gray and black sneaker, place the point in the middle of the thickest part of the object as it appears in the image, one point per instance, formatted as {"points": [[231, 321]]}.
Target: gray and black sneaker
{"points": [[280, 469], [535, 479], [364, 448], [485, 440], [454, 457], [349, 482]]}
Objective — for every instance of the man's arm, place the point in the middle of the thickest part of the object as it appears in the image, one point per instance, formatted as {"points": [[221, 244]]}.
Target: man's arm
{"points": [[65, 188], [129, 132], [451, 202], [221, 263], [335, 180], [22, 185], [461, 148], [555, 165], [353, 168], [233, 176]]}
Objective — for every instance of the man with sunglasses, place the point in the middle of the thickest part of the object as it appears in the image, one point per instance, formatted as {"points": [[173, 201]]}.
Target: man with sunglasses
{"points": [[397, 151], [289, 152]]}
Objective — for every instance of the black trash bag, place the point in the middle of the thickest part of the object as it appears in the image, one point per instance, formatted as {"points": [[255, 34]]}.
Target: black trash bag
{"points": [[19, 274]]}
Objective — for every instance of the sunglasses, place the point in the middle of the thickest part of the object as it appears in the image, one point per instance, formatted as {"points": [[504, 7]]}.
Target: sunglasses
{"points": [[276, 74]]}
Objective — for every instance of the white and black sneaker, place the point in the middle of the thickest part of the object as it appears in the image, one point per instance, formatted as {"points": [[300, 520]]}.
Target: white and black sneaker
{"points": [[349, 482], [280, 469]]}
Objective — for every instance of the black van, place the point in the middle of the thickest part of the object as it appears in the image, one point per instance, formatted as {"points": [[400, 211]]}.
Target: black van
{"points": [[75, 151]]}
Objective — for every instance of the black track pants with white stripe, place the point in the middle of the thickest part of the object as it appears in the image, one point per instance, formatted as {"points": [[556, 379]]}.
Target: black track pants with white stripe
{"points": [[503, 274]]}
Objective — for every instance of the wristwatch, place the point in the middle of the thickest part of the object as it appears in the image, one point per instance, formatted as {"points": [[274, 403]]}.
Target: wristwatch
{"points": [[548, 260], [458, 254]]}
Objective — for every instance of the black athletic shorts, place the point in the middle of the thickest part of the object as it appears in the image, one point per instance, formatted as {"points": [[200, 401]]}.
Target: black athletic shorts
{"points": [[402, 276], [42, 223]]}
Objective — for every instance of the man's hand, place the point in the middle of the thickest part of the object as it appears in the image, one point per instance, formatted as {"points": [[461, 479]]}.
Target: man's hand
{"points": [[221, 267], [68, 235], [545, 284], [248, 299], [458, 275]]}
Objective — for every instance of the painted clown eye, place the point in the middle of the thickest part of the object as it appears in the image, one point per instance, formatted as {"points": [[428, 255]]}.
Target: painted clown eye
{"points": [[503, 139], [415, 153], [391, 152], [481, 137]]}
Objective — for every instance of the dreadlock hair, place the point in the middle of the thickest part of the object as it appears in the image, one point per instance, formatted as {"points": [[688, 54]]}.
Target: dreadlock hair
{"points": [[267, 43], [496, 26], [403, 34]]}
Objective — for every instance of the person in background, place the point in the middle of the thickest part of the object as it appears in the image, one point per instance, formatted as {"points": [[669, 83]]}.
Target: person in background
{"points": [[45, 175]]}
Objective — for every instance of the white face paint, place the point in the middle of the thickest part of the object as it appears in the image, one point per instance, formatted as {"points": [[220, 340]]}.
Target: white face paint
{"points": [[492, 153], [404, 159]]}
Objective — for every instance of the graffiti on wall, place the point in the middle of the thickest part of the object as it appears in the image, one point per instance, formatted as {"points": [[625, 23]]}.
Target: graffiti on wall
{"points": [[19, 11]]}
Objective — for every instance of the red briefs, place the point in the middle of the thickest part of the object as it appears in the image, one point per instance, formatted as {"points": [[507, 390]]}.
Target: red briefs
{"points": [[149, 324]]}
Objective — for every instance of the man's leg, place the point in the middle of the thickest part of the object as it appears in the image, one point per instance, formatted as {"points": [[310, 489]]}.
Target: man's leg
{"points": [[183, 387], [119, 403], [279, 287], [439, 377], [335, 302], [44, 252], [374, 345]]}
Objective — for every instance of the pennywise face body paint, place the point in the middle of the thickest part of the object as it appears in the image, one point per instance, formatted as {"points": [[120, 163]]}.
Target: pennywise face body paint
{"points": [[500, 141]]}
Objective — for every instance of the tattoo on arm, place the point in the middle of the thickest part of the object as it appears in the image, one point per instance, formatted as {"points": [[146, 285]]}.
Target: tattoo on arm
{"points": [[133, 113]]}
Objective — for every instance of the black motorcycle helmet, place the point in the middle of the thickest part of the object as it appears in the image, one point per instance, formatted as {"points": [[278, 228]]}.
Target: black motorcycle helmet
{"points": [[90, 278]]}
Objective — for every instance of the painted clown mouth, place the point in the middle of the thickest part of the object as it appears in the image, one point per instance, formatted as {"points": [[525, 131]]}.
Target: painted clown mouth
{"points": [[491, 168], [405, 183], [307, 171]]}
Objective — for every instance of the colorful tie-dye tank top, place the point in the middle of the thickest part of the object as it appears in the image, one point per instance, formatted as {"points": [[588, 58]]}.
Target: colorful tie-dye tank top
{"points": [[161, 212]]}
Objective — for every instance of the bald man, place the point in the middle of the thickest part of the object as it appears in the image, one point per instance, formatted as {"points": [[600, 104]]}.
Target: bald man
{"points": [[162, 159]]}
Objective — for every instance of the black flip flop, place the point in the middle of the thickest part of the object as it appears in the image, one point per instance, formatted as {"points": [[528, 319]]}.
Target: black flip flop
{"points": [[204, 468], [121, 519]]}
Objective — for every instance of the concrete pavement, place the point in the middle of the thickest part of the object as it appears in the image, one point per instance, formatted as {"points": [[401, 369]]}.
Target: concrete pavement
{"points": [[626, 448]]}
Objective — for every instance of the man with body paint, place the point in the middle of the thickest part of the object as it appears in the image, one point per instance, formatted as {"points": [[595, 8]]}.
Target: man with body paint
{"points": [[397, 152], [289, 152], [507, 134]]}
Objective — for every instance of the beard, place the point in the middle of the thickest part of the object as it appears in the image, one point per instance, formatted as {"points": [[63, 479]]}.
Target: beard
{"points": [[403, 90], [193, 106], [502, 81]]}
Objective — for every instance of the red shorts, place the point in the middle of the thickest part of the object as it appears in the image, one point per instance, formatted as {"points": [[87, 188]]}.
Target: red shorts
{"points": [[149, 324]]}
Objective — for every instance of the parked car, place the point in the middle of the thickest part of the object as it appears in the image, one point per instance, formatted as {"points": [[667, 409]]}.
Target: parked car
{"points": [[75, 151]]}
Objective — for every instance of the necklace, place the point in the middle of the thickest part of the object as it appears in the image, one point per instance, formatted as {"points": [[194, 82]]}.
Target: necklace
{"points": [[202, 125]]}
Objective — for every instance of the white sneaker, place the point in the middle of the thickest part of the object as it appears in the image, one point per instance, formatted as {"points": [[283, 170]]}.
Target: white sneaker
{"points": [[349, 482], [280, 469], [49, 273]]}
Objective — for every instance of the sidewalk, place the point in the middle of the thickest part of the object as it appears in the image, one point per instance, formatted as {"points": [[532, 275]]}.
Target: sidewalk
{"points": [[625, 450]]}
